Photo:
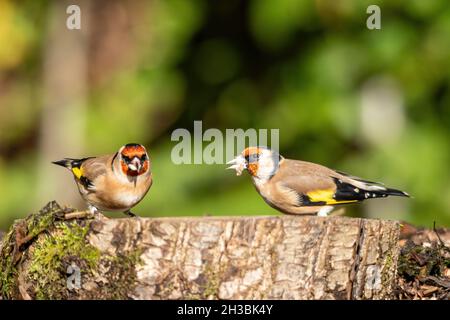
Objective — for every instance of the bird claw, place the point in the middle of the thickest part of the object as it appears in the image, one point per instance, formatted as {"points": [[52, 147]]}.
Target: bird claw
{"points": [[325, 211], [131, 214]]}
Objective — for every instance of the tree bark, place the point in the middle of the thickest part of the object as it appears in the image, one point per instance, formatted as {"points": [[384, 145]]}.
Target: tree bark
{"points": [[282, 257]]}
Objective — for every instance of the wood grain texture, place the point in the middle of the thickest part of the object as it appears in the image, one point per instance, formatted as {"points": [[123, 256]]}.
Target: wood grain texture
{"points": [[283, 257]]}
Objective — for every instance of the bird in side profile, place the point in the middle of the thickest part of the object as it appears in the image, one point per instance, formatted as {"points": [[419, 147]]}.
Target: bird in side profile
{"points": [[299, 187], [115, 182]]}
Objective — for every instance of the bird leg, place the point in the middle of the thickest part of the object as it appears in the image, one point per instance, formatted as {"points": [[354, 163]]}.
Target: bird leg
{"points": [[130, 214], [96, 213], [93, 210], [324, 211]]}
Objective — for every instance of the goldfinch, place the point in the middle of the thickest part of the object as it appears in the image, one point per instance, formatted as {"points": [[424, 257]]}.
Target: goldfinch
{"points": [[115, 182], [299, 187]]}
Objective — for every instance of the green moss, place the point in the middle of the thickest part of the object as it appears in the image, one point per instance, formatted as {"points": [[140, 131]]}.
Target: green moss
{"points": [[39, 223], [21, 233], [389, 261], [8, 275], [50, 254], [121, 268], [46, 247], [193, 296], [386, 277], [8, 271], [44, 219], [211, 287], [133, 258]]}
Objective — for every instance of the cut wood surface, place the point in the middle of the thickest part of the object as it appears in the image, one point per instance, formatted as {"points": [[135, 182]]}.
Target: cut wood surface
{"points": [[266, 257]]}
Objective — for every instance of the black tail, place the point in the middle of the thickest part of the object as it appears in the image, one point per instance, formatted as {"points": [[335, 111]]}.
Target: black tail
{"points": [[363, 190], [384, 193], [369, 189], [395, 192], [69, 163], [66, 163]]}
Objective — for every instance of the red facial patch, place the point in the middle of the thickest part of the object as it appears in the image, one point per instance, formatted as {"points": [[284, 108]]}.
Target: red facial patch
{"points": [[135, 150], [131, 151], [252, 168]]}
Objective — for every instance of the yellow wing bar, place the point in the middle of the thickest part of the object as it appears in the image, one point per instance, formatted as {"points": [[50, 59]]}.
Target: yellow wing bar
{"points": [[326, 196], [78, 172]]}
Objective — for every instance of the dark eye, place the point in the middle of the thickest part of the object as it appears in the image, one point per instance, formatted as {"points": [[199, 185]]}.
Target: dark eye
{"points": [[125, 158], [252, 157], [143, 157]]}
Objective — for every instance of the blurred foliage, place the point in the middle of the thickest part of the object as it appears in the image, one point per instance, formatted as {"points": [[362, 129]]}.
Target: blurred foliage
{"points": [[298, 65]]}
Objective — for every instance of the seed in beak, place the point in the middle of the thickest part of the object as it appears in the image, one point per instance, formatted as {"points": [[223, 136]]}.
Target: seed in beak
{"points": [[135, 164], [237, 164]]}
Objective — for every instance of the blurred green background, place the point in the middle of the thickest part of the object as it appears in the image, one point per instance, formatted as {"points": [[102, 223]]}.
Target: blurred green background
{"points": [[374, 103]]}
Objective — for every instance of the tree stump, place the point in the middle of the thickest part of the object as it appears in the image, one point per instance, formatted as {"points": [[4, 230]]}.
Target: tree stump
{"points": [[270, 257]]}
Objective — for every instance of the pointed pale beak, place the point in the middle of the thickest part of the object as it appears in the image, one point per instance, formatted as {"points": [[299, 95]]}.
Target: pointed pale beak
{"points": [[238, 164], [135, 165]]}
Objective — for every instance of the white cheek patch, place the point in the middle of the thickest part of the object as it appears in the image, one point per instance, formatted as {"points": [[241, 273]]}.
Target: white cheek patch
{"points": [[266, 167]]}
